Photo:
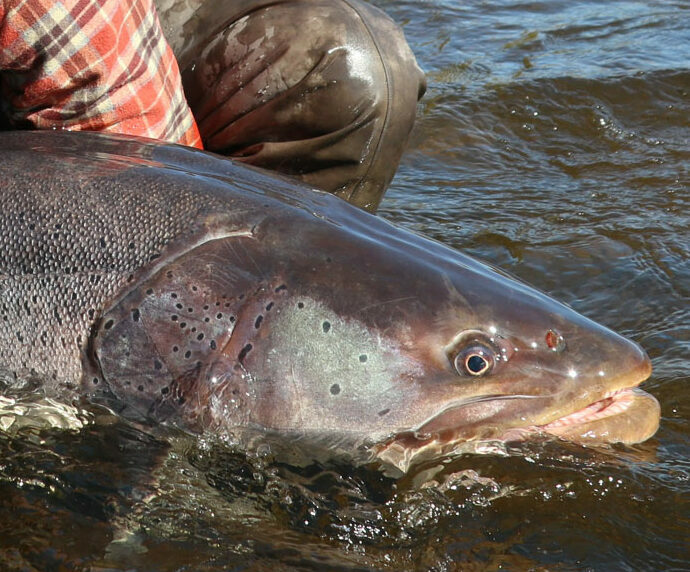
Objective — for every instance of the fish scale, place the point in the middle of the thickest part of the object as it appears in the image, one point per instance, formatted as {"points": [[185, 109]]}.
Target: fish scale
{"points": [[70, 244]]}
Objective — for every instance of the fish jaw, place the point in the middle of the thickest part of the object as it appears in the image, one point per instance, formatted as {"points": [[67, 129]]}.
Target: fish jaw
{"points": [[624, 413]]}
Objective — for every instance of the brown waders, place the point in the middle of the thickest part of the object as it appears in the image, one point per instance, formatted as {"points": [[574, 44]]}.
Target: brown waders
{"points": [[324, 90]]}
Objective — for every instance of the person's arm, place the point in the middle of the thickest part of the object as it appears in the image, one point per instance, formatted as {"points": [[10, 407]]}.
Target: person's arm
{"points": [[99, 65]]}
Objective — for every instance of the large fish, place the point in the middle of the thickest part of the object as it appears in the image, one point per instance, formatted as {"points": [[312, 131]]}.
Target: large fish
{"points": [[176, 286]]}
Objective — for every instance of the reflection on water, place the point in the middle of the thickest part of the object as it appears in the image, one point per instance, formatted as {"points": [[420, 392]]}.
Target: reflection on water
{"points": [[554, 142]]}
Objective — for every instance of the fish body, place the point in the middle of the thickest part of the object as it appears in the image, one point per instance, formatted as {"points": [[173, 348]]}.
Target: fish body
{"points": [[176, 286]]}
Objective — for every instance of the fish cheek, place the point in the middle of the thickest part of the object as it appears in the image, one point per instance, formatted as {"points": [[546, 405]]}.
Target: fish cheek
{"points": [[328, 372]]}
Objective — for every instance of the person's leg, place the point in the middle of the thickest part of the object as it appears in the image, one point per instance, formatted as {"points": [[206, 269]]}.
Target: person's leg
{"points": [[325, 90]]}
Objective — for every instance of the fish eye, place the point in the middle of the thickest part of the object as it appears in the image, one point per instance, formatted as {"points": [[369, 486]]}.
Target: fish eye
{"points": [[476, 364], [473, 353], [474, 360]]}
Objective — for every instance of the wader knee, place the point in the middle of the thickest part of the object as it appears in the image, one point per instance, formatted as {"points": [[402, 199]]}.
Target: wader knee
{"points": [[324, 90]]}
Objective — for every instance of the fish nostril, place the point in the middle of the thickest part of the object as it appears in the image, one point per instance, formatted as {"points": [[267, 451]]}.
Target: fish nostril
{"points": [[555, 341]]}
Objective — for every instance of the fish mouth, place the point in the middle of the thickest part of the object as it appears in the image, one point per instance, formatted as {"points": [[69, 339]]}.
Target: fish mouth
{"points": [[624, 414], [627, 416]]}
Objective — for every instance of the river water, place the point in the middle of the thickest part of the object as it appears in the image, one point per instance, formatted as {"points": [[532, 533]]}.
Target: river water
{"points": [[554, 141]]}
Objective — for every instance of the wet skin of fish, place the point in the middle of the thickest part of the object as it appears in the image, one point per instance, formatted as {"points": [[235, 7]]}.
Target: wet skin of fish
{"points": [[175, 286]]}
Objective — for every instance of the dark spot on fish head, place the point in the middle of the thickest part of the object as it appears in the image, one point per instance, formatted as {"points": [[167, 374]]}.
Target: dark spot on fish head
{"points": [[384, 412], [363, 358], [108, 324], [335, 389], [326, 326], [300, 305], [244, 351], [135, 314]]}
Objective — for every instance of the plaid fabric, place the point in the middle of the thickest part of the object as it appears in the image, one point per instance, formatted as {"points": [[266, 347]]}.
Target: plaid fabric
{"points": [[100, 65]]}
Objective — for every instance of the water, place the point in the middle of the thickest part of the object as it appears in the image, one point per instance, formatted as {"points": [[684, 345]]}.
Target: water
{"points": [[554, 141]]}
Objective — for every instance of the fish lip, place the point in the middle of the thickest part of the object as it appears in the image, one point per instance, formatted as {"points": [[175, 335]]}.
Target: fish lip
{"points": [[627, 416], [612, 403]]}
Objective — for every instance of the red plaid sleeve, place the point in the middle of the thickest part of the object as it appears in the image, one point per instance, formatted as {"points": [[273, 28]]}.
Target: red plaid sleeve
{"points": [[99, 65]]}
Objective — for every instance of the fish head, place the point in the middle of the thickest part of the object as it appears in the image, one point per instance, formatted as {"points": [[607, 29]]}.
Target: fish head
{"points": [[340, 326], [370, 332]]}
